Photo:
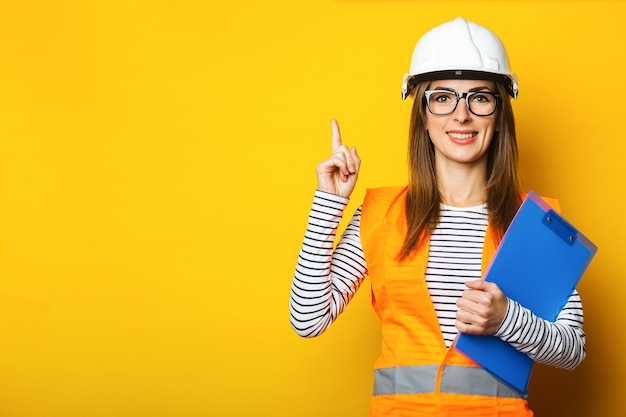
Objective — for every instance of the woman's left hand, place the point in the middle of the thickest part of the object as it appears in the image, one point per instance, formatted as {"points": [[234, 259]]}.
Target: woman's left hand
{"points": [[482, 308]]}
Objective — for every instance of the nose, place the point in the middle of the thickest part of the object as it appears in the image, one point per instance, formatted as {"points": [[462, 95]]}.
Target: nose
{"points": [[462, 113]]}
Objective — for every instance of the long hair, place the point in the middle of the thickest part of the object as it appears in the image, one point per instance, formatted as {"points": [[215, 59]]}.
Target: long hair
{"points": [[423, 200]]}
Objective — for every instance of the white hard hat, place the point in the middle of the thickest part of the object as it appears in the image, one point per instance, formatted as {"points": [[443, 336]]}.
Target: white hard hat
{"points": [[459, 49]]}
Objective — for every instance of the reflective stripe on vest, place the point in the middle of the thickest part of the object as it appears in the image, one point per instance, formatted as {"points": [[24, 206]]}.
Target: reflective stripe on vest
{"points": [[454, 380]]}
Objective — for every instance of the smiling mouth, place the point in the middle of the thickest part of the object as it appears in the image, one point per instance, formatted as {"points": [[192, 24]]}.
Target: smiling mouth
{"points": [[461, 135]]}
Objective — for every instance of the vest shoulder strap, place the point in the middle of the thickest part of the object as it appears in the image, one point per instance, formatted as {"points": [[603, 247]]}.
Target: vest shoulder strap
{"points": [[376, 210]]}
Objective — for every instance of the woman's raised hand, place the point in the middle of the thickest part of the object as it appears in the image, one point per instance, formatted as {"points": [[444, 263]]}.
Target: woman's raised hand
{"points": [[338, 174]]}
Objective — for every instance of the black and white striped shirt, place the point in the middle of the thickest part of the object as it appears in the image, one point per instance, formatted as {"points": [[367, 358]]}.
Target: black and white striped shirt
{"points": [[455, 257], [326, 279]]}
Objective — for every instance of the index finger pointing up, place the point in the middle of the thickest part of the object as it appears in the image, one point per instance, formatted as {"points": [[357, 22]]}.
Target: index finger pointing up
{"points": [[336, 140]]}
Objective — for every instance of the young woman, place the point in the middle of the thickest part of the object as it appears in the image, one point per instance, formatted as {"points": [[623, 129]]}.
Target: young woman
{"points": [[425, 246]]}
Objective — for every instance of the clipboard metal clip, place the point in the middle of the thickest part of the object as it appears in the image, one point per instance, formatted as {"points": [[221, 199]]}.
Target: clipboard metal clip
{"points": [[560, 227]]}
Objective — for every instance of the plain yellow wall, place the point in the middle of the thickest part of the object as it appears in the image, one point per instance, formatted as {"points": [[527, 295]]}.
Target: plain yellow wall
{"points": [[156, 169]]}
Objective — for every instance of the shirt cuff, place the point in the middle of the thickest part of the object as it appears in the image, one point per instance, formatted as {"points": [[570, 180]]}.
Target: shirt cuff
{"points": [[332, 197], [510, 318]]}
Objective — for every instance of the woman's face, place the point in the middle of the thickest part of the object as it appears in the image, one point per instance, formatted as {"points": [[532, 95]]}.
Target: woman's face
{"points": [[461, 137]]}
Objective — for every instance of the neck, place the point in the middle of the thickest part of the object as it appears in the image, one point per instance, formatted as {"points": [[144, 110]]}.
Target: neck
{"points": [[462, 186]]}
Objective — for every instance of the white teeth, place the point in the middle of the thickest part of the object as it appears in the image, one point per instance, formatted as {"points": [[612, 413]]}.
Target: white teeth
{"points": [[461, 135]]}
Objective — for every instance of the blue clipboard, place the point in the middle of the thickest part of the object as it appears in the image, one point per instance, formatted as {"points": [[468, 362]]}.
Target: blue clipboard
{"points": [[540, 250]]}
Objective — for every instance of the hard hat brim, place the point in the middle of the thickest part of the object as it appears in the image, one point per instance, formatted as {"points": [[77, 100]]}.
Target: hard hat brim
{"points": [[508, 80]]}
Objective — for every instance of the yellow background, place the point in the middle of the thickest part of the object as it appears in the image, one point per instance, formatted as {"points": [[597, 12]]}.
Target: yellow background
{"points": [[156, 169]]}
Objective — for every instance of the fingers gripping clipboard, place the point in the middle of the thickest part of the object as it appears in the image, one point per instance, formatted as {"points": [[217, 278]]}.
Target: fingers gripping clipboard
{"points": [[538, 263]]}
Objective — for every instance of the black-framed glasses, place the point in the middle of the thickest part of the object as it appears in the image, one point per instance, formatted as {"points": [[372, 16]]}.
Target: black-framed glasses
{"points": [[480, 103]]}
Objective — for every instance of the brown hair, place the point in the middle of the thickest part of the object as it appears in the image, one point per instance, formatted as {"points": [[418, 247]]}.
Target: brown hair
{"points": [[423, 200]]}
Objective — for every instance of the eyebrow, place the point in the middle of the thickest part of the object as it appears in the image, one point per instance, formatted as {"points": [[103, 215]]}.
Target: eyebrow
{"points": [[482, 88]]}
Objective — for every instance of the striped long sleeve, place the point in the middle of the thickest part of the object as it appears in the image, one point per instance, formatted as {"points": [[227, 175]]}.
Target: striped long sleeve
{"points": [[560, 344], [325, 279]]}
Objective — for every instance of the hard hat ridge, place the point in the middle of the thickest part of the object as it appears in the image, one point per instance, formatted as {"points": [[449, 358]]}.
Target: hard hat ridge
{"points": [[459, 39], [459, 49]]}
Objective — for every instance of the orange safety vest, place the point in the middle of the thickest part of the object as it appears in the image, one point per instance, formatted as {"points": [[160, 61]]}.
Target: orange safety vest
{"points": [[416, 375]]}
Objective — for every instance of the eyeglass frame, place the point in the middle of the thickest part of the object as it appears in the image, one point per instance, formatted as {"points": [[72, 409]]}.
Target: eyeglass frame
{"points": [[466, 95]]}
